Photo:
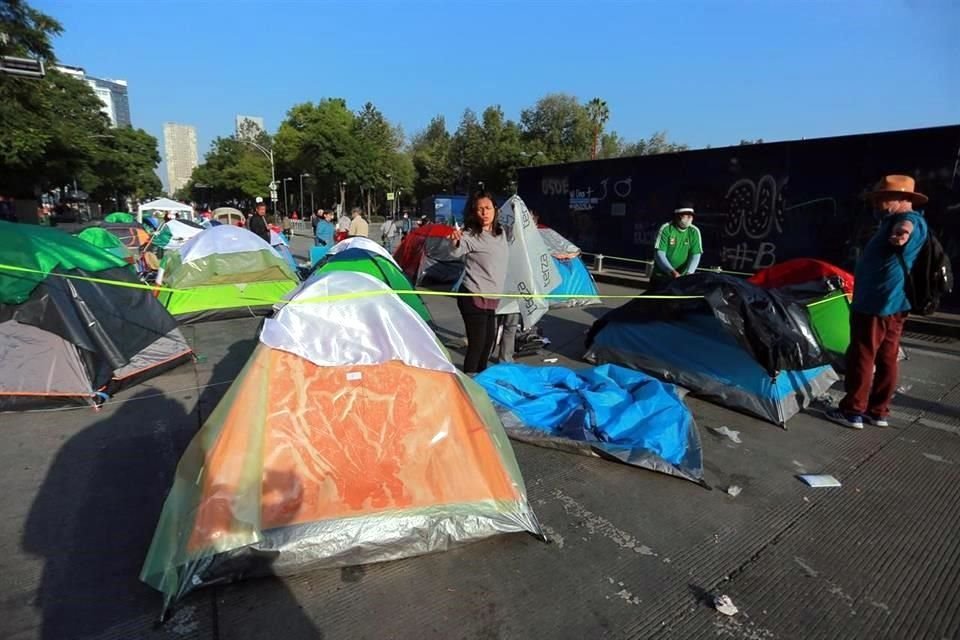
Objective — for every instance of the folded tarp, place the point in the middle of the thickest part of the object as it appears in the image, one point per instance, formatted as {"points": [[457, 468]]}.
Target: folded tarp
{"points": [[610, 411]]}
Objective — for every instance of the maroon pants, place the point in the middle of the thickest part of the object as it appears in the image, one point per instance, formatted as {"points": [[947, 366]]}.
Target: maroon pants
{"points": [[874, 342]]}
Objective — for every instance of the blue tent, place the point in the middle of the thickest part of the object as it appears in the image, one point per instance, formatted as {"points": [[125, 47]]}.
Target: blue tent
{"points": [[609, 411], [740, 346], [574, 280]]}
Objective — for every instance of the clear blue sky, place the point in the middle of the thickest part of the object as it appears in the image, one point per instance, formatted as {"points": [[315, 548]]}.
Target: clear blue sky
{"points": [[708, 72]]}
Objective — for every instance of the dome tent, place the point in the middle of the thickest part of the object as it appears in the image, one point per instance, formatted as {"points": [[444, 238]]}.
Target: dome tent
{"points": [[103, 239], [362, 255], [353, 462], [224, 272], [736, 344], [71, 340]]}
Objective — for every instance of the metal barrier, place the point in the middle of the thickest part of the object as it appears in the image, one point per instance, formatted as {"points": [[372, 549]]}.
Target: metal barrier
{"points": [[301, 227], [647, 269]]}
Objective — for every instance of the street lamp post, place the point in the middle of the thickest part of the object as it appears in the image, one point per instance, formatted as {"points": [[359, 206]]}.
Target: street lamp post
{"points": [[302, 176], [285, 181], [390, 177], [273, 170]]}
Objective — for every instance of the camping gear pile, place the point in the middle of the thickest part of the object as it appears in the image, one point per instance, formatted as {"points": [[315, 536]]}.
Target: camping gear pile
{"points": [[66, 338]]}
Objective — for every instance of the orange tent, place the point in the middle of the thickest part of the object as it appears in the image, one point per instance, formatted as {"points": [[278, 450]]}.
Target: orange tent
{"points": [[332, 449]]}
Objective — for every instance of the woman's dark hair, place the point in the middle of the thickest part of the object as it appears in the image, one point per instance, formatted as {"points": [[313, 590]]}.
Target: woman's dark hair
{"points": [[472, 222]]}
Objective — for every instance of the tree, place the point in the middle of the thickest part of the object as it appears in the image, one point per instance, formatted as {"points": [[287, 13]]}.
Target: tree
{"points": [[431, 157], [231, 172], [467, 151], [502, 150], [124, 165], [27, 31], [51, 134], [320, 139], [656, 143], [378, 163], [559, 126], [611, 145], [599, 114]]}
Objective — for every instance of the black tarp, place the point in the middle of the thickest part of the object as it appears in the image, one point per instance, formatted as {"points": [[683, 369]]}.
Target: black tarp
{"points": [[773, 328]]}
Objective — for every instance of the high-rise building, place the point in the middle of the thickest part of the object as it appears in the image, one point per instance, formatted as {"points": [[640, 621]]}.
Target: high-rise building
{"points": [[249, 126], [112, 94], [180, 152]]}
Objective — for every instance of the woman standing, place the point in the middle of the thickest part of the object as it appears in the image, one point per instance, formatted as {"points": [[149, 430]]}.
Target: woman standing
{"points": [[483, 246]]}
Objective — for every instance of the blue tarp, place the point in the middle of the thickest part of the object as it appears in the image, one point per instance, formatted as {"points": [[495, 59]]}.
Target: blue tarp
{"points": [[609, 410], [574, 280]]}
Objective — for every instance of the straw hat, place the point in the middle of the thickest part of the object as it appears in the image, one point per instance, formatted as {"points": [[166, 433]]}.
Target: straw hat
{"points": [[899, 185]]}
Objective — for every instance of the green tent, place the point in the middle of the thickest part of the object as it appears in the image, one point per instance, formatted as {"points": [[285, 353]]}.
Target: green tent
{"points": [[380, 267], [44, 249], [224, 272], [107, 241], [830, 318], [121, 216]]}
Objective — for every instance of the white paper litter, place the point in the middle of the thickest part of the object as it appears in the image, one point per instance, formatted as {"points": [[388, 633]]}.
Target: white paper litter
{"points": [[733, 491], [725, 605], [728, 432], [819, 480]]}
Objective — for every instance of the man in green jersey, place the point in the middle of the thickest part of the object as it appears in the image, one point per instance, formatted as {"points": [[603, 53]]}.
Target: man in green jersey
{"points": [[678, 247]]}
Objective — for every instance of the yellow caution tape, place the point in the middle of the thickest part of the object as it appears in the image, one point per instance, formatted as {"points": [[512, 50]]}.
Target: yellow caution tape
{"points": [[366, 294]]}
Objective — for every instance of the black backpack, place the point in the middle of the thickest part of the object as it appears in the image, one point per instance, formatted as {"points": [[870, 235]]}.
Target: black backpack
{"points": [[930, 279]]}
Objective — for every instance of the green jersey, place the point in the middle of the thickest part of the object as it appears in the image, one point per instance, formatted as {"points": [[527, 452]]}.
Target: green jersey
{"points": [[679, 244]]}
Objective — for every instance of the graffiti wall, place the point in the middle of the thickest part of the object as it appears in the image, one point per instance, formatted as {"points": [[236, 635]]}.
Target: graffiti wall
{"points": [[757, 204]]}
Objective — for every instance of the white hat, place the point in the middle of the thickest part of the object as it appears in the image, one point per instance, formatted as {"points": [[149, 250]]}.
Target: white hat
{"points": [[259, 200]]}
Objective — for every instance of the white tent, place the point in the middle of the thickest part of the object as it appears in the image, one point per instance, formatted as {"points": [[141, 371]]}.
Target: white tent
{"points": [[161, 206]]}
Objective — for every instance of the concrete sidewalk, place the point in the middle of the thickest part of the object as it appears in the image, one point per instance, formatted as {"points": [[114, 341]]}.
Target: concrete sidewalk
{"points": [[633, 554]]}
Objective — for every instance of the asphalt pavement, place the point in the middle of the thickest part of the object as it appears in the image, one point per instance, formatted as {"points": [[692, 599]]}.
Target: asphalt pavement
{"points": [[632, 553]]}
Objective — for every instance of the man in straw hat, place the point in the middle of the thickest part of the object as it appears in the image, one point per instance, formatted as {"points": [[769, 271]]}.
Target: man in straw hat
{"points": [[880, 304]]}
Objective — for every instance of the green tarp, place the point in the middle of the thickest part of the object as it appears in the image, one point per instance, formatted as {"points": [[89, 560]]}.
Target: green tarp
{"points": [[44, 249], [380, 268]]}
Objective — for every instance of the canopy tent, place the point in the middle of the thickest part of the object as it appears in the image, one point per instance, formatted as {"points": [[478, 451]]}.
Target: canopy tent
{"points": [[224, 272], [738, 345], [161, 206], [120, 216], [67, 339], [609, 411], [362, 258], [331, 449], [103, 239]]}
